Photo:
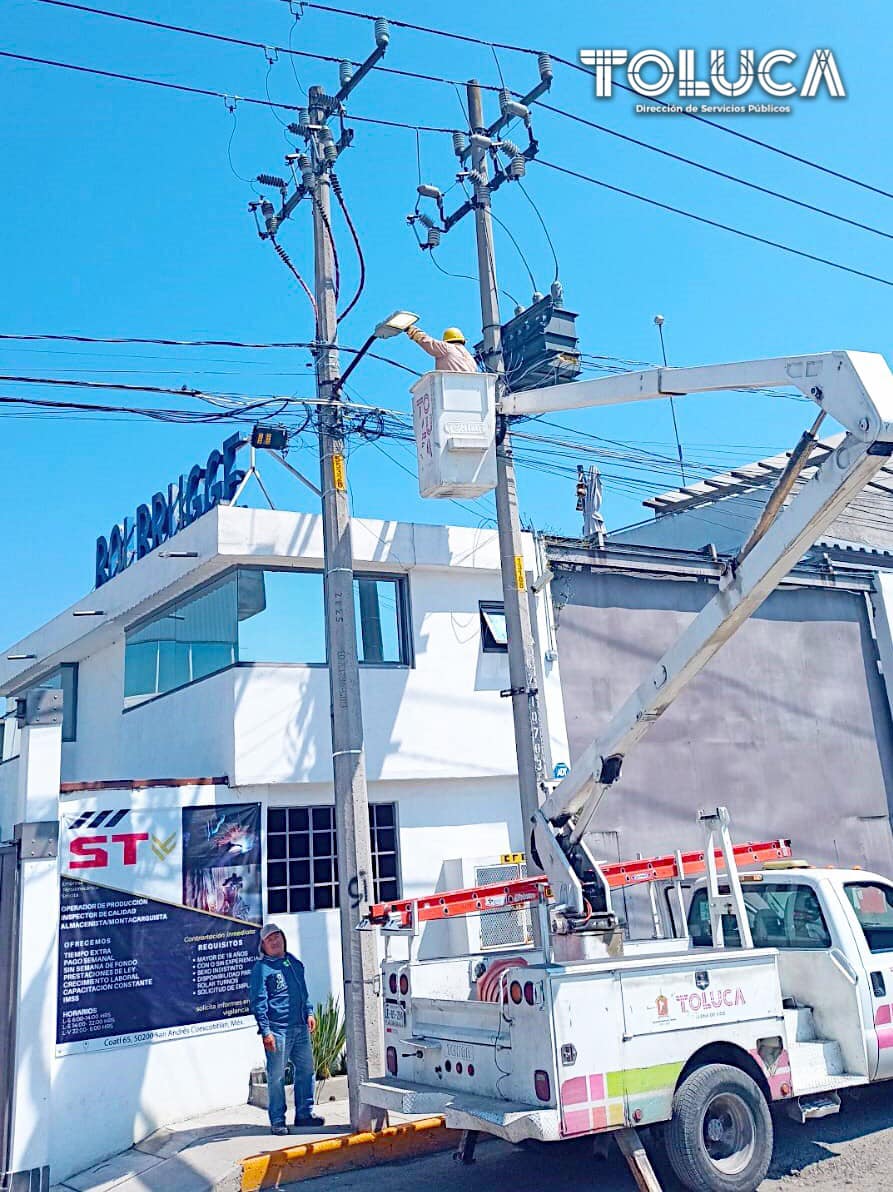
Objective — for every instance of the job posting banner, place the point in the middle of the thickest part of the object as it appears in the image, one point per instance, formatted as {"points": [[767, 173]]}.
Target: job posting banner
{"points": [[159, 917]]}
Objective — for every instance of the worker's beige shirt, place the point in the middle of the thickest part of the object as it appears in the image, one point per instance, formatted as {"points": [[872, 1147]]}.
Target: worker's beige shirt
{"points": [[447, 357]]}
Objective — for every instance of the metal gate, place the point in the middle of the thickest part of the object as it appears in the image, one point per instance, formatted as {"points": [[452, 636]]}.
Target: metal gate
{"points": [[9, 952]]}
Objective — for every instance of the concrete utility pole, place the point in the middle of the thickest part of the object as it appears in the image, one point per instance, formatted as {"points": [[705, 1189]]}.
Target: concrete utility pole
{"points": [[522, 666], [358, 948]]}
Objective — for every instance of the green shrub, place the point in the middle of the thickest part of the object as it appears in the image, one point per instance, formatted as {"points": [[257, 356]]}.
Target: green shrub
{"points": [[328, 1039]]}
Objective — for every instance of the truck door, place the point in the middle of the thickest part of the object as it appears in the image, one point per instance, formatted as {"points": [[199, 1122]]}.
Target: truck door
{"points": [[815, 958], [870, 905]]}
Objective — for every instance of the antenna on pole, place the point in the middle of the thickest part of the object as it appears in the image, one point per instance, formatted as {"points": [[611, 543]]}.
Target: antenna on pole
{"points": [[659, 324]]}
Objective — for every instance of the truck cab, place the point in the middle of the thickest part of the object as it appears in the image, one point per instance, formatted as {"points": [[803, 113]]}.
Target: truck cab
{"points": [[833, 931]]}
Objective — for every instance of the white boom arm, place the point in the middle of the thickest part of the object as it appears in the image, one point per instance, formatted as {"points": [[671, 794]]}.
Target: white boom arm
{"points": [[856, 389]]}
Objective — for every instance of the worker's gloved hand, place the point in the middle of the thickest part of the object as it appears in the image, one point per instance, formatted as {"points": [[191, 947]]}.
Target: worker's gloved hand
{"points": [[270, 1042]]}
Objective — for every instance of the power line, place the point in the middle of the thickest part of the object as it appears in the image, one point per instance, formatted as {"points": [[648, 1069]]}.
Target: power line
{"points": [[631, 194], [576, 66], [157, 414], [195, 343], [206, 91], [184, 391], [539, 216], [361, 260], [577, 119], [290, 265], [255, 45], [518, 247], [698, 165], [431, 128]]}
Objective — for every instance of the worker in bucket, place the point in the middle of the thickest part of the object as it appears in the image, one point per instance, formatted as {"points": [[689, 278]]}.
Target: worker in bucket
{"points": [[277, 994], [450, 353]]}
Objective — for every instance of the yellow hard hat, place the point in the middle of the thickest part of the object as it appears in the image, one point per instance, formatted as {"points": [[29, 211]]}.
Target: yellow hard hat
{"points": [[453, 335]]}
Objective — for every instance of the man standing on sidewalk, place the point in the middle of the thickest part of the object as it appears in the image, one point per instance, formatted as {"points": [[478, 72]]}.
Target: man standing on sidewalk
{"points": [[277, 993]]}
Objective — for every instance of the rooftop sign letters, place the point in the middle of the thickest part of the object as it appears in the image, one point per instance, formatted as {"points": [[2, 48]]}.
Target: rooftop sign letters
{"points": [[157, 522]]}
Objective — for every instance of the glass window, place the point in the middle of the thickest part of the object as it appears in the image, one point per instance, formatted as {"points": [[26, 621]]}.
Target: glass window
{"points": [[873, 904], [64, 679], [380, 612], [281, 616], [302, 857], [385, 852], [188, 640], [494, 632], [257, 615], [9, 734], [780, 914]]}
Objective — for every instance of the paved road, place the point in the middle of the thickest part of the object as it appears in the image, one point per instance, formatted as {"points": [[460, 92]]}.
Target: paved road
{"points": [[853, 1149]]}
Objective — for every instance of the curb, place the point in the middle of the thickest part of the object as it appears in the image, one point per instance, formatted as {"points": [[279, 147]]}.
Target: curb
{"points": [[332, 1155]]}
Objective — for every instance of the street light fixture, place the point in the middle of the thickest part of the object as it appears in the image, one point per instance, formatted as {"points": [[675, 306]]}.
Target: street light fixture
{"points": [[399, 321]]}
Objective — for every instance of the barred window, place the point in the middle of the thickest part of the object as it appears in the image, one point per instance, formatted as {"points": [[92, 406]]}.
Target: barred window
{"points": [[302, 857]]}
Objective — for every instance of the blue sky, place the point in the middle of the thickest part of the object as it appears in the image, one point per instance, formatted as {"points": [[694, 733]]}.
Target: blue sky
{"points": [[122, 217]]}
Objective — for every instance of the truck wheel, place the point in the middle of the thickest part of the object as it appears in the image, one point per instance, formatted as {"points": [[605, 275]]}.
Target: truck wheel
{"points": [[720, 1135]]}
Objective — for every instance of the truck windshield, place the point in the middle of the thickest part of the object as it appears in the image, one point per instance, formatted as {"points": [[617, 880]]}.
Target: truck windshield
{"points": [[873, 904]]}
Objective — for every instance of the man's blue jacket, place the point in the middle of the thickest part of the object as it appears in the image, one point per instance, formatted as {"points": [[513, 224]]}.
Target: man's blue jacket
{"points": [[277, 993]]}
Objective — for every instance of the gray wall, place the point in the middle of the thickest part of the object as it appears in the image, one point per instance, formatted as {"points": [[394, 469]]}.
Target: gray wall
{"points": [[789, 726]]}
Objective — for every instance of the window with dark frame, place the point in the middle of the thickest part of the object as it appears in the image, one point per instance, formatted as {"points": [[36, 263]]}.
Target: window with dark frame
{"points": [[64, 678], [261, 615], [494, 632], [302, 857]]}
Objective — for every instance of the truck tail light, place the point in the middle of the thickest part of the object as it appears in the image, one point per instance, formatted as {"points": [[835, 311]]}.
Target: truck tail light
{"points": [[542, 1085], [391, 1060], [404, 984], [528, 992], [516, 993], [392, 982]]}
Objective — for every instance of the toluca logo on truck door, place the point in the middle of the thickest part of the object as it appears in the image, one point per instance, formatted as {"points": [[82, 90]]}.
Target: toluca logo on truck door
{"points": [[714, 999]]}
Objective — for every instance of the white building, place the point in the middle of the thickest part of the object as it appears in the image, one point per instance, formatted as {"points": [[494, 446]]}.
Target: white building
{"points": [[197, 678]]}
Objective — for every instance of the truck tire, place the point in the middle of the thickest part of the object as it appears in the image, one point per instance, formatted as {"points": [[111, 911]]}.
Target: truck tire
{"points": [[720, 1135]]}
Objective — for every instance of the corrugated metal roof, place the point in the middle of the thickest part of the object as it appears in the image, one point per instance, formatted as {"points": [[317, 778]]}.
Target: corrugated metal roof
{"points": [[741, 479]]}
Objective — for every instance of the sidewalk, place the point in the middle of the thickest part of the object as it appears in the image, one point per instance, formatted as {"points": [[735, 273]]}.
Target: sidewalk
{"points": [[201, 1153]]}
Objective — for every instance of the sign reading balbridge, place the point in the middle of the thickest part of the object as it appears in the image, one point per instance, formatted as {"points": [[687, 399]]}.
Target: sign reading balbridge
{"points": [[166, 514]]}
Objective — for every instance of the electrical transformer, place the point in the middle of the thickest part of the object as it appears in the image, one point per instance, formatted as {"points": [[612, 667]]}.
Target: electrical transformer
{"points": [[539, 345]]}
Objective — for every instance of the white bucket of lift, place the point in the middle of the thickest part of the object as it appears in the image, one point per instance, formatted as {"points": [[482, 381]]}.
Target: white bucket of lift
{"points": [[454, 418]]}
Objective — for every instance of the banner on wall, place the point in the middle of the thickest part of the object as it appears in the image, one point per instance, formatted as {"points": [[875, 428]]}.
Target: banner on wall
{"points": [[159, 915]]}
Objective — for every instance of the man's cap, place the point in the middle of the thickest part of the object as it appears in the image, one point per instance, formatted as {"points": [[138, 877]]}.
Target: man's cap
{"points": [[269, 929]]}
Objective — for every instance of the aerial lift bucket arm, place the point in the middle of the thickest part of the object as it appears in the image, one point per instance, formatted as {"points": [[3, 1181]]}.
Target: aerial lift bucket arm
{"points": [[855, 389]]}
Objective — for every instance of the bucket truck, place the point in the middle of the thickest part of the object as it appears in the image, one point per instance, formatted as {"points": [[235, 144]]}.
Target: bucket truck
{"points": [[777, 984]]}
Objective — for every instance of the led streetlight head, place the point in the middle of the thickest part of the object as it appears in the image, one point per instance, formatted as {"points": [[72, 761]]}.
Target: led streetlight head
{"points": [[400, 320]]}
